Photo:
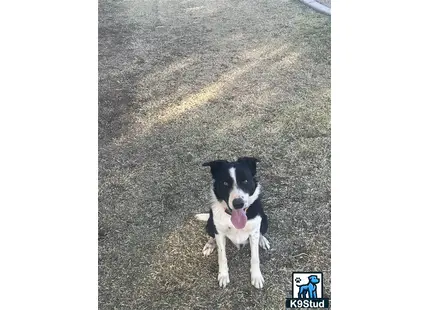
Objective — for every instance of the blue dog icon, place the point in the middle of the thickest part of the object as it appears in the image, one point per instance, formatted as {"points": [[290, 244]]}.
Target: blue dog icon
{"points": [[309, 289]]}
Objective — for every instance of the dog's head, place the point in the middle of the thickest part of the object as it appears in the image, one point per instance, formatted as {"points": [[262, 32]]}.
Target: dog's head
{"points": [[236, 185], [314, 279]]}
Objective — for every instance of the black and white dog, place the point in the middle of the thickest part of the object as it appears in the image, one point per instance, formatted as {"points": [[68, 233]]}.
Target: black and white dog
{"points": [[236, 213]]}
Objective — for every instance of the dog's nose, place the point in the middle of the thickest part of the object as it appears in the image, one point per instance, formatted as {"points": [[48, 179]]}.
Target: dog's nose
{"points": [[238, 203]]}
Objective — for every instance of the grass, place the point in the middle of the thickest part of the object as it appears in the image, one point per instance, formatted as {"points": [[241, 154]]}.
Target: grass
{"points": [[184, 82]]}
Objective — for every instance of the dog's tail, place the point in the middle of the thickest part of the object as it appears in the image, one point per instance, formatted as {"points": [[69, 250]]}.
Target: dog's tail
{"points": [[202, 216]]}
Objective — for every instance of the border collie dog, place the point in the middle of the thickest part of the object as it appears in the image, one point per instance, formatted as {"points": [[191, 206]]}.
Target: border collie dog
{"points": [[236, 213]]}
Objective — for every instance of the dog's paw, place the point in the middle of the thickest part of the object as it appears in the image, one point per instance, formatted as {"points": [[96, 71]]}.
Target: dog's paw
{"points": [[257, 279], [223, 279], [264, 243], [207, 250], [209, 247]]}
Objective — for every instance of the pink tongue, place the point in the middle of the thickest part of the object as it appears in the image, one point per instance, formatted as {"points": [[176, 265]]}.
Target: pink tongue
{"points": [[238, 218]]}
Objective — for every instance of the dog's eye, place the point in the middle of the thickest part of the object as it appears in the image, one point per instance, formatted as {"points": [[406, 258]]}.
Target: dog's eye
{"points": [[225, 183], [245, 181]]}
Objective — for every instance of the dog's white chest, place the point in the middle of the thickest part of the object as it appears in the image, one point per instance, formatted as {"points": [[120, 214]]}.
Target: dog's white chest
{"points": [[237, 236]]}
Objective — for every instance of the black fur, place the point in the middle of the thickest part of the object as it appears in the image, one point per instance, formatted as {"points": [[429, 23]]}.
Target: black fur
{"points": [[264, 224], [257, 209], [210, 226], [251, 162]]}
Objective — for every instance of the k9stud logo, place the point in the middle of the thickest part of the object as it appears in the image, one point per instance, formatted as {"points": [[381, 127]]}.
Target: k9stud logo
{"points": [[307, 291]]}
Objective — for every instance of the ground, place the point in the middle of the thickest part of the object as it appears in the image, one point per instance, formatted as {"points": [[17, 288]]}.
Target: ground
{"points": [[183, 82]]}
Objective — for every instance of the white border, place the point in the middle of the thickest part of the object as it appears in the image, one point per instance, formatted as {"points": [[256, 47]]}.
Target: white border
{"points": [[48, 160], [380, 153]]}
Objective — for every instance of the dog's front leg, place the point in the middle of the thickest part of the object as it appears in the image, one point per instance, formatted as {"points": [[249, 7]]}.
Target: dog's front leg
{"points": [[256, 276], [223, 277]]}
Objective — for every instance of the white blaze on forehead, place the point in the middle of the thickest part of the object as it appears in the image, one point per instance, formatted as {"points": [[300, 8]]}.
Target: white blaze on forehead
{"points": [[232, 172], [236, 192]]}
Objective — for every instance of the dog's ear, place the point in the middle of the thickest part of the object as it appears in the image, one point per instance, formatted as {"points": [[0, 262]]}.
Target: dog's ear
{"points": [[215, 165], [251, 162]]}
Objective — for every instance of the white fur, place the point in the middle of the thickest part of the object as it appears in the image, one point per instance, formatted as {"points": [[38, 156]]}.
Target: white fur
{"points": [[223, 277], [264, 243], [209, 247], [256, 276], [232, 172], [202, 216]]}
